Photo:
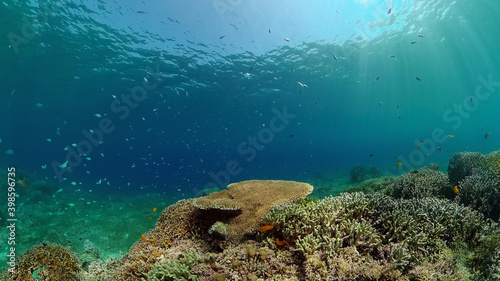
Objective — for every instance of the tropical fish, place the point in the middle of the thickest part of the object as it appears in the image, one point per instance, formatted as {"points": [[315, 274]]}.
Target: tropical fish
{"points": [[398, 164], [287, 39], [418, 78], [439, 148], [487, 135], [302, 85], [389, 11], [265, 228], [154, 209], [418, 146], [413, 42], [280, 243], [143, 238], [498, 164], [420, 35], [450, 136], [150, 218], [421, 141], [222, 36], [335, 57], [455, 189]]}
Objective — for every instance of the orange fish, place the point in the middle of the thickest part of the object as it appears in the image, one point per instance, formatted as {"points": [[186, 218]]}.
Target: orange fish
{"points": [[150, 218], [498, 164], [418, 146], [265, 228], [455, 189], [154, 209], [143, 238], [398, 164], [450, 136], [280, 243]]}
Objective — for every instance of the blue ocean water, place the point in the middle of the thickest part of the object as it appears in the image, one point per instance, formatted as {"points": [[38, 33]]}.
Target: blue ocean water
{"points": [[113, 109], [187, 92]]}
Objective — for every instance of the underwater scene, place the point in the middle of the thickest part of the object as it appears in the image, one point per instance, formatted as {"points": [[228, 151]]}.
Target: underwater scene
{"points": [[249, 140]]}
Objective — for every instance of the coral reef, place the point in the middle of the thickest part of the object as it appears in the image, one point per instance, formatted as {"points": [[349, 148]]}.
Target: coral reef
{"points": [[420, 183], [48, 262], [480, 191], [374, 231], [253, 198], [461, 165], [476, 179], [174, 223]]}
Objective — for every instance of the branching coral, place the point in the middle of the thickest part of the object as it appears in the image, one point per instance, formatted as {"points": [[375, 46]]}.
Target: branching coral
{"points": [[395, 235], [46, 261], [462, 164], [420, 183]]}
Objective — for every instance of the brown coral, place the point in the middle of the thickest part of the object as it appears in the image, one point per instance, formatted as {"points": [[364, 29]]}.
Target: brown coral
{"points": [[51, 262], [253, 199], [173, 223]]}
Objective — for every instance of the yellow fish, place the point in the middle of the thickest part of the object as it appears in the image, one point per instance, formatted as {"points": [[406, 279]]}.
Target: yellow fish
{"points": [[154, 209], [450, 136], [455, 189], [498, 164], [398, 164]]}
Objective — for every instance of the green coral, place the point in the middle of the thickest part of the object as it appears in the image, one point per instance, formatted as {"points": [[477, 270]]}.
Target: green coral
{"points": [[477, 178], [177, 270], [219, 228]]}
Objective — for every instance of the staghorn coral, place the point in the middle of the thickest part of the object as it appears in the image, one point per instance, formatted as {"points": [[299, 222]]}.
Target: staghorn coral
{"points": [[253, 199], [50, 262], [389, 236], [480, 191], [420, 183], [461, 166]]}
